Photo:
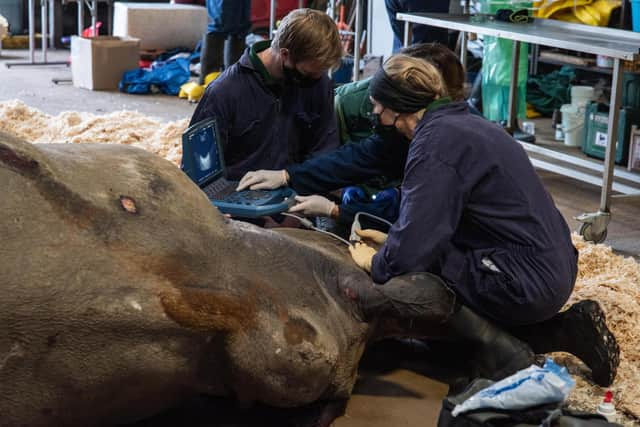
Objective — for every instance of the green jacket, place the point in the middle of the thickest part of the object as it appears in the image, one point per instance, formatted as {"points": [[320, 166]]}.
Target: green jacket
{"points": [[353, 110]]}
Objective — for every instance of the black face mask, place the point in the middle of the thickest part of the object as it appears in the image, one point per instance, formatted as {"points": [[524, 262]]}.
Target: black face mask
{"points": [[384, 131], [293, 76]]}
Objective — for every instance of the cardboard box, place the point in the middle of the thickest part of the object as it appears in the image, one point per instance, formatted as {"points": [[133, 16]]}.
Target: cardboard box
{"points": [[97, 63], [160, 25]]}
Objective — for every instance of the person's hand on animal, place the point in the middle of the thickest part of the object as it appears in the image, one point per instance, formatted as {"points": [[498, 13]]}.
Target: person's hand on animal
{"points": [[263, 180], [362, 254], [313, 206], [372, 237]]}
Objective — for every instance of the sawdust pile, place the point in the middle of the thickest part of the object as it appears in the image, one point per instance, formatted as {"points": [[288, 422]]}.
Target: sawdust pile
{"points": [[120, 127], [613, 281]]}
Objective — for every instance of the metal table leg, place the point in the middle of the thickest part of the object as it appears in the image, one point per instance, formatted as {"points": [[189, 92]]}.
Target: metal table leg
{"points": [[535, 52], [594, 227], [369, 26], [407, 33], [110, 18], [464, 39], [80, 4], [272, 18], [52, 23], [44, 31], [32, 31], [513, 89], [356, 42], [463, 50], [93, 8]]}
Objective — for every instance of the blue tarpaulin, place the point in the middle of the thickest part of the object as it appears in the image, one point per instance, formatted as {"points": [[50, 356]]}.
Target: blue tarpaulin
{"points": [[166, 77]]}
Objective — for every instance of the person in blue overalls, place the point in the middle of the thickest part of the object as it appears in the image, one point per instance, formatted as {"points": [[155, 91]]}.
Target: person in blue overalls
{"points": [[476, 218], [420, 33], [224, 41], [274, 107]]}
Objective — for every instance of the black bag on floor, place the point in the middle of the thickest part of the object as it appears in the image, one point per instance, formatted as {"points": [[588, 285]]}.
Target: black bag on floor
{"points": [[551, 415]]}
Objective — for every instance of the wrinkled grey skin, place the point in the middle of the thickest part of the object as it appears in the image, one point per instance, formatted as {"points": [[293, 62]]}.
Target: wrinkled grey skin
{"points": [[110, 315]]}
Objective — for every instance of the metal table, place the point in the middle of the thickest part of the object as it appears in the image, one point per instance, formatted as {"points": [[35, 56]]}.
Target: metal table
{"points": [[617, 44], [47, 12], [46, 7], [357, 34]]}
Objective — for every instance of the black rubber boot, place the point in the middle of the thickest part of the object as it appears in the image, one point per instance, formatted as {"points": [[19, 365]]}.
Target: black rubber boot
{"points": [[582, 331], [498, 354], [233, 49], [211, 55]]}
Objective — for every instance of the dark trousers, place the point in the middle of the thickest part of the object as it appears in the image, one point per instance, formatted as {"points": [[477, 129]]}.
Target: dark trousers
{"points": [[421, 33], [229, 17]]}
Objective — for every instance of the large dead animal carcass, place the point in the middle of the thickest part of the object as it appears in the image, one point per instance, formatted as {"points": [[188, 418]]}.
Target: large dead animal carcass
{"points": [[123, 291]]}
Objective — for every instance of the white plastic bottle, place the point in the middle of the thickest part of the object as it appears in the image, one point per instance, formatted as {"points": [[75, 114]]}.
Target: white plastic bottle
{"points": [[607, 409]]}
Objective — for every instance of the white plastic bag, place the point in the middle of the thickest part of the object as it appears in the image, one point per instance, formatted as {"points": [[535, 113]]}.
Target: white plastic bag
{"points": [[527, 388]]}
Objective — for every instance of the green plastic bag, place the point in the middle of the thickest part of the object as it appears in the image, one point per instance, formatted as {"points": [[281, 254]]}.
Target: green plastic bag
{"points": [[496, 68]]}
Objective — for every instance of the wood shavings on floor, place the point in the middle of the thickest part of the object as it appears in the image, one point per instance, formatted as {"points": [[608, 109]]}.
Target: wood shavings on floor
{"points": [[119, 127], [612, 280]]}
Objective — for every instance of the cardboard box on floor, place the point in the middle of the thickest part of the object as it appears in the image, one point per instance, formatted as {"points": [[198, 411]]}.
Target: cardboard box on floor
{"points": [[97, 63]]}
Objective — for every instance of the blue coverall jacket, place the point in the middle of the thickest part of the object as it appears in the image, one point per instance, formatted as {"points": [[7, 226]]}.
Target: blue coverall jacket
{"points": [[229, 17], [473, 211], [265, 124]]}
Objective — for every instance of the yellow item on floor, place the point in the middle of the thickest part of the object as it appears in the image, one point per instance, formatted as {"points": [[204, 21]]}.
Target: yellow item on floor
{"points": [[211, 77], [18, 42], [532, 113], [193, 91]]}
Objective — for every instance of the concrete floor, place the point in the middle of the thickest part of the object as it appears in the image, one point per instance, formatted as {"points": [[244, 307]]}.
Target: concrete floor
{"points": [[397, 397], [33, 85]]}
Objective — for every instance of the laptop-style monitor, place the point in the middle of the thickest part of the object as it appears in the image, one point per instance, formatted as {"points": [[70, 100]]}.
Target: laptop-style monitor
{"points": [[203, 162]]}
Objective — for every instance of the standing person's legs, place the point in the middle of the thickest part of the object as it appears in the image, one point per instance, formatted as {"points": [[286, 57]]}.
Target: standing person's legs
{"points": [[421, 33], [393, 7], [212, 49], [239, 22], [224, 43]]}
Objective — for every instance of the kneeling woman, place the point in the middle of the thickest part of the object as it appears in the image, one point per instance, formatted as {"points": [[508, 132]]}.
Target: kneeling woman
{"points": [[474, 213], [476, 219]]}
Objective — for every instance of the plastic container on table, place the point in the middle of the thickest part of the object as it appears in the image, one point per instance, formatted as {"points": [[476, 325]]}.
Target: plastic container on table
{"points": [[573, 124]]}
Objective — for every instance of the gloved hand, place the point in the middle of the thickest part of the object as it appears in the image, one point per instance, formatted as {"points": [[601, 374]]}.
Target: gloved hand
{"points": [[313, 206], [372, 237], [263, 180], [362, 254]]}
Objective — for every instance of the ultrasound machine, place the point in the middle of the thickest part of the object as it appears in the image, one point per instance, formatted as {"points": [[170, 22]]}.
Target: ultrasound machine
{"points": [[203, 162]]}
